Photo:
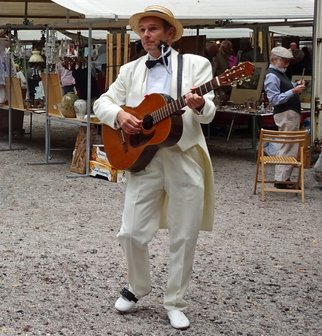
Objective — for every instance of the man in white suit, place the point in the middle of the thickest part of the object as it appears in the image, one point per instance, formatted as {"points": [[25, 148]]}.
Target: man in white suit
{"points": [[176, 188]]}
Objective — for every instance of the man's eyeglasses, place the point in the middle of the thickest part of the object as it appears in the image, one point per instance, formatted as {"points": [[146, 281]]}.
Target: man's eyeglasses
{"points": [[285, 60]]}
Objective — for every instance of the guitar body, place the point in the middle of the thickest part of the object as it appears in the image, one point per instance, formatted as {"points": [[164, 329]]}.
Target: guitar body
{"points": [[134, 152]]}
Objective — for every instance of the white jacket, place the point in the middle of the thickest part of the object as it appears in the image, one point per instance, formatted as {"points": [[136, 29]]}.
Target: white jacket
{"points": [[129, 89]]}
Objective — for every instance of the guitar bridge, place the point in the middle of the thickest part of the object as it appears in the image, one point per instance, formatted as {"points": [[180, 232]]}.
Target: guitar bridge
{"points": [[122, 137], [123, 141]]}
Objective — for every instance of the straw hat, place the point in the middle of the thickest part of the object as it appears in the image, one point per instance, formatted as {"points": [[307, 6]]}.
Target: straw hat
{"points": [[282, 52], [159, 12]]}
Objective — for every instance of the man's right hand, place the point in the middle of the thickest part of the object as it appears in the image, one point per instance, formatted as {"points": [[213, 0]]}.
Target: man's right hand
{"points": [[129, 123], [298, 89]]}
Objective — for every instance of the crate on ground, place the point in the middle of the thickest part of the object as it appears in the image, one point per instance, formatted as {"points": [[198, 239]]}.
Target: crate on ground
{"points": [[100, 166]]}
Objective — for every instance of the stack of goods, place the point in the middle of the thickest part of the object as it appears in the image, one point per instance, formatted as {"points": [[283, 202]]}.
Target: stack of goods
{"points": [[100, 166]]}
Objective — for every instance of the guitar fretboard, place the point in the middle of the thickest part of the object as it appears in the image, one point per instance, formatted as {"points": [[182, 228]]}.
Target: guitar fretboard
{"points": [[236, 73], [179, 103]]}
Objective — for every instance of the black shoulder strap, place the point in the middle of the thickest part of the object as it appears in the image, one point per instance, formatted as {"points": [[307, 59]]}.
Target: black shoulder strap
{"points": [[179, 76]]}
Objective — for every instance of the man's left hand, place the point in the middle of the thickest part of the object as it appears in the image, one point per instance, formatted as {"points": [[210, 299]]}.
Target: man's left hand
{"points": [[194, 101]]}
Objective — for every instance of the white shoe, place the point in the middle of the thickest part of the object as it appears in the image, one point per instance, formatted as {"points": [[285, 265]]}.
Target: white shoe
{"points": [[178, 319], [126, 301], [123, 305]]}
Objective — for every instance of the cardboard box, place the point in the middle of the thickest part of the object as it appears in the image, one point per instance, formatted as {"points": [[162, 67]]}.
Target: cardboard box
{"points": [[99, 169], [100, 166], [98, 154]]}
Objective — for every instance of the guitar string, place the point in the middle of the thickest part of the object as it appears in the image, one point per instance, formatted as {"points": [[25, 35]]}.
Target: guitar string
{"points": [[177, 104]]}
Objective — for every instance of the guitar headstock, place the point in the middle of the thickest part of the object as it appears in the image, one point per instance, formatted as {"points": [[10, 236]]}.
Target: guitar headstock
{"points": [[236, 74]]}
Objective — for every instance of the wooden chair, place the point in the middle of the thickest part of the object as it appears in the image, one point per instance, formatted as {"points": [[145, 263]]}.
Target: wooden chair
{"points": [[263, 159]]}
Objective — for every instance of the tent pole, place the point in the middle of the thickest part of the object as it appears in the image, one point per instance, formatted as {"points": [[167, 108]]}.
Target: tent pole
{"points": [[89, 103], [316, 117]]}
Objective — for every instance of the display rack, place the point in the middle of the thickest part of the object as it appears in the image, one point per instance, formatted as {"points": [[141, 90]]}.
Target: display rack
{"points": [[117, 54], [53, 96]]}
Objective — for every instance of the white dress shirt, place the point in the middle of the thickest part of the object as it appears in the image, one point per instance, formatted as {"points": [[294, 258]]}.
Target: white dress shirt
{"points": [[159, 78]]}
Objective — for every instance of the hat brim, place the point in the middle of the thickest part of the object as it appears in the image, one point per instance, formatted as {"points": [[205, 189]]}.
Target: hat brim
{"points": [[135, 20], [283, 56]]}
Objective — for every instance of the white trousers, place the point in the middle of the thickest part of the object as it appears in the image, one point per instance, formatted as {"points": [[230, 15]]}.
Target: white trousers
{"points": [[173, 181], [286, 121]]}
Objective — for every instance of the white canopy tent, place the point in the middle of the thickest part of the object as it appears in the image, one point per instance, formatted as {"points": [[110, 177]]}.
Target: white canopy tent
{"points": [[230, 19], [116, 13], [210, 13], [220, 14], [192, 12]]}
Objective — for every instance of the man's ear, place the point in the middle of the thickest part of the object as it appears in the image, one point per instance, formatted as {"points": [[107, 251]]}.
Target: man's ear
{"points": [[172, 33]]}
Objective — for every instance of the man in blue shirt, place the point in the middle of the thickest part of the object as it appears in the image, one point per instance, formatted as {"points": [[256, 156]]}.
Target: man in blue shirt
{"points": [[283, 95]]}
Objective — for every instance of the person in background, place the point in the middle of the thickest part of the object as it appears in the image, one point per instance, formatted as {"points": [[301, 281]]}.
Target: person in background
{"points": [[80, 73], [175, 189], [21, 76], [23, 80], [211, 52], [246, 51], [283, 95], [222, 57], [307, 61], [222, 63], [4, 64], [296, 66], [67, 80], [232, 59], [34, 81]]}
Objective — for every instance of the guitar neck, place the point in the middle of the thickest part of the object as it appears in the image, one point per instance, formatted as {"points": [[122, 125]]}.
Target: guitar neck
{"points": [[237, 73], [179, 103]]}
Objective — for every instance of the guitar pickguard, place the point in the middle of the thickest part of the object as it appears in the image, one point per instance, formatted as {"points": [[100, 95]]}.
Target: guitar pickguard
{"points": [[138, 140]]}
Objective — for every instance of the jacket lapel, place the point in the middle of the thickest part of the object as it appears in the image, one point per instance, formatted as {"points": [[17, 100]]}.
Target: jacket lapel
{"points": [[137, 92]]}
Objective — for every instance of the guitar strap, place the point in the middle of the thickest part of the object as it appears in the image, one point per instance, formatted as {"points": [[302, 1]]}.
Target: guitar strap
{"points": [[179, 75]]}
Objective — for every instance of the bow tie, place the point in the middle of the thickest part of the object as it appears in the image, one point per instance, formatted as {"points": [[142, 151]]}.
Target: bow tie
{"points": [[162, 60]]}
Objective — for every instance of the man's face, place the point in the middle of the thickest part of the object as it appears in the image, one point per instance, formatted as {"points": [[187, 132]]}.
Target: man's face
{"points": [[281, 62], [152, 31]]}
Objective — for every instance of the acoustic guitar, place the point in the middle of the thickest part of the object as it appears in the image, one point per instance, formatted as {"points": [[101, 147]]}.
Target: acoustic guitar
{"points": [[162, 123]]}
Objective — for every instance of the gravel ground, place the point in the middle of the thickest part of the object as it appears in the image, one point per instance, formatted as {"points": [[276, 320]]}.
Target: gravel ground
{"points": [[258, 272]]}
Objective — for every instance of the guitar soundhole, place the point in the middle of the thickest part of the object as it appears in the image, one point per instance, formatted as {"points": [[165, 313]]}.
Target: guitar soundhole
{"points": [[147, 122]]}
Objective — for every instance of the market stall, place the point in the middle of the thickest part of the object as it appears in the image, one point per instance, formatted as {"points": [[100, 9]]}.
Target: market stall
{"points": [[260, 22]]}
